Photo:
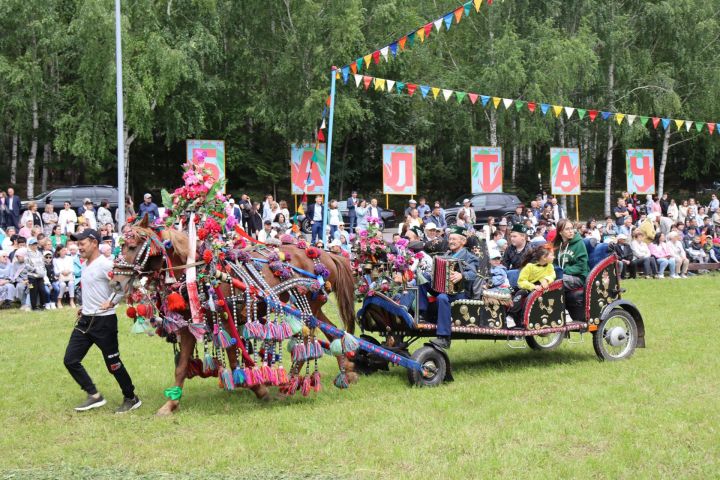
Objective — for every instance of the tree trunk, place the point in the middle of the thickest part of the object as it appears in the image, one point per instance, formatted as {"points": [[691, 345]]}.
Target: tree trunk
{"points": [[608, 155], [514, 151], [663, 162], [47, 153], [585, 146], [14, 160], [33, 151], [493, 128]]}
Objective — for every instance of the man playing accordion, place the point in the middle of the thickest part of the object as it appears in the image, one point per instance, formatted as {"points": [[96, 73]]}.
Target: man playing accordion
{"points": [[467, 273]]}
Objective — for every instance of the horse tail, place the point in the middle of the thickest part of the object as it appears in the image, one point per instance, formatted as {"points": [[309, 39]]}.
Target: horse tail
{"points": [[344, 292]]}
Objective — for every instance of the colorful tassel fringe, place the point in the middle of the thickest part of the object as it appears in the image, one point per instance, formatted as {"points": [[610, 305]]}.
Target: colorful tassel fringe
{"points": [[341, 380], [208, 363], [336, 347], [350, 343], [238, 376], [226, 378], [315, 381], [305, 389]]}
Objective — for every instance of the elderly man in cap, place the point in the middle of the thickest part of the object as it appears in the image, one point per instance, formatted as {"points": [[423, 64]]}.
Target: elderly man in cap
{"points": [[435, 243], [512, 259], [469, 264], [97, 324], [412, 204], [7, 287], [148, 208], [622, 249], [469, 212], [437, 217]]}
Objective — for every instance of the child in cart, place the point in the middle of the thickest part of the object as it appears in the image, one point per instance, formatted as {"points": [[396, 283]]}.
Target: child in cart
{"points": [[537, 273]]}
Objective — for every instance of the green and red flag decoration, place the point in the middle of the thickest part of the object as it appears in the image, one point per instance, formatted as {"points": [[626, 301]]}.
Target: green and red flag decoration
{"points": [[421, 34], [400, 88]]}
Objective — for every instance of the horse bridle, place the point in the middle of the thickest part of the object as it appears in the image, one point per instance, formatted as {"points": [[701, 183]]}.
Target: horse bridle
{"points": [[122, 267]]}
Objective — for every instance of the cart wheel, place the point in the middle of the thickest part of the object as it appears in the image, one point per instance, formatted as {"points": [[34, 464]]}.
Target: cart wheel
{"points": [[367, 363], [546, 342], [434, 368], [616, 336]]}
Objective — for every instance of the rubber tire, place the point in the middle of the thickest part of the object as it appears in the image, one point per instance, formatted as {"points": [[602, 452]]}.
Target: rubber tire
{"points": [[533, 343], [599, 339], [451, 219], [305, 226], [364, 361], [423, 355]]}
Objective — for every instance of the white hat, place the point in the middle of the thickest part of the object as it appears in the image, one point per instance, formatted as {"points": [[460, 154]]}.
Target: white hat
{"points": [[147, 195], [335, 243], [430, 226], [467, 200], [231, 201], [621, 236], [412, 200], [21, 251], [503, 222]]}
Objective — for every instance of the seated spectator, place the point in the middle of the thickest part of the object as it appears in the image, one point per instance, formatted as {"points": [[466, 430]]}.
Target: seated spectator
{"points": [[7, 287], [663, 256], [571, 255], [20, 271], [695, 250], [676, 248], [647, 226], [537, 273], [63, 267], [622, 249], [641, 254]]}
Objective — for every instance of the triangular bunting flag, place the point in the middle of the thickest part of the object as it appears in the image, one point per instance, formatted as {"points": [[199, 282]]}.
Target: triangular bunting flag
{"points": [[496, 101], [428, 29], [605, 115], [711, 127], [519, 104], [399, 86], [384, 53], [458, 14], [619, 117], [581, 113], [367, 80], [460, 96], [644, 120], [484, 99], [379, 83], [447, 94], [507, 102], [655, 121], [411, 88], [376, 56], [544, 107], [699, 126], [401, 42], [359, 62], [556, 110], [345, 73], [473, 97], [531, 106], [489, 2], [468, 8], [448, 20], [390, 85], [411, 39], [666, 123], [393, 48], [367, 58], [569, 112], [322, 125], [358, 79], [421, 34], [435, 92], [679, 123], [438, 23], [592, 114], [320, 136], [631, 119], [477, 4], [353, 67], [424, 89], [688, 124]]}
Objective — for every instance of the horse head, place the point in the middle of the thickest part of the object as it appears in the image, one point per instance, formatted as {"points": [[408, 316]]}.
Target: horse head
{"points": [[142, 253]]}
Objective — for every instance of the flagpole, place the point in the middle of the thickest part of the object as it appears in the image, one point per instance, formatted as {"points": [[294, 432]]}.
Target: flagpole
{"points": [[328, 155], [120, 120]]}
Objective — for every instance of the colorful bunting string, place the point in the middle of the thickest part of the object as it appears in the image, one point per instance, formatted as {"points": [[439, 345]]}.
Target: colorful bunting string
{"points": [[406, 41], [395, 86]]}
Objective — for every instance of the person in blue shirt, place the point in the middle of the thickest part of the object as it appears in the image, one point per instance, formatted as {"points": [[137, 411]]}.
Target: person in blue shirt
{"points": [[149, 208]]}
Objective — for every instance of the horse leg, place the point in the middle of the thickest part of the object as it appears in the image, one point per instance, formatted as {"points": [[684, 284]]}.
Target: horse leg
{"points": [[260, 391], [342, 360], [187, 346]]}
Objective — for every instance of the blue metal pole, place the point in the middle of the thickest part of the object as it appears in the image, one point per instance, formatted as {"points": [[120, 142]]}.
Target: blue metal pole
{"points": [[120, 119], [328, 154]]}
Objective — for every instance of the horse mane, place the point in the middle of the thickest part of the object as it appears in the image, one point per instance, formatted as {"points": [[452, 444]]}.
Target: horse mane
{"points": [[179, 241]]}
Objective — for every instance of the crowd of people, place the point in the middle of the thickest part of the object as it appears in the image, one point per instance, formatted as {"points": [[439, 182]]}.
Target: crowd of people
{"points": [[653, 237]]}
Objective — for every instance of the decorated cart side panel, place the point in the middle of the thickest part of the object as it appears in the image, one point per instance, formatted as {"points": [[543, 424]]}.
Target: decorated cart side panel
{"points": [[211, 152], [399, 170], [307, 169], [565, 171], [640, 171], [486, 169]]}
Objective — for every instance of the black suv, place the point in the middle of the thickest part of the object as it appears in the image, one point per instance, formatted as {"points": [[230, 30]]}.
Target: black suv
{"points": [[486, 205], [75, 195]]}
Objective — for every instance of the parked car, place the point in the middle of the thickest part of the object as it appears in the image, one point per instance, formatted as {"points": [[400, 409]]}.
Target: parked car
{"points": [[389, 219], [75, 195], [485, 205]]}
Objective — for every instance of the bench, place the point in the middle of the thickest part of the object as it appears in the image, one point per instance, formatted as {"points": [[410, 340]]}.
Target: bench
{"points": [[694, 267]]}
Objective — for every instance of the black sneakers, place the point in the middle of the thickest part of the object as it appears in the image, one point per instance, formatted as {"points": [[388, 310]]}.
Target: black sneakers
{"points": [[442, 342], [129, 404], [92, 401]]}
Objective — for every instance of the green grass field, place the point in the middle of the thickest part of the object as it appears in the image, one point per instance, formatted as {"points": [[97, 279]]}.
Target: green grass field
{"points": [[509, 413]]}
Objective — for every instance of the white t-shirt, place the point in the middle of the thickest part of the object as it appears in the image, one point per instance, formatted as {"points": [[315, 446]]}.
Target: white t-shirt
{"points": [[334, 216], [96, 286]]}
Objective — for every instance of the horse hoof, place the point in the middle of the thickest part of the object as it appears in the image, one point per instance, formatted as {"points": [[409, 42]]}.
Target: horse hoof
{"points": [[262, 393], [168, 409]]}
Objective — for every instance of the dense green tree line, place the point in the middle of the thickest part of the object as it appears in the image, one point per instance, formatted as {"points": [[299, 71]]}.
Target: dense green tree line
{"points": [[256, 74]]}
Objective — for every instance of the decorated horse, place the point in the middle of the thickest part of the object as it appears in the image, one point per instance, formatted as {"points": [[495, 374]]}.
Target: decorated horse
{"points": [[229, 304]]}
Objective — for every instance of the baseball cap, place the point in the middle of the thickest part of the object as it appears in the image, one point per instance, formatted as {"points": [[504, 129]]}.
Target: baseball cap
{"points": [[494, 254], [430, 226], [335, 243], [21, 251], [47, 254], [467, 200], [87, 233], [621, 236], [503, 222], [147, 195], [32, 241], [412, 201]]}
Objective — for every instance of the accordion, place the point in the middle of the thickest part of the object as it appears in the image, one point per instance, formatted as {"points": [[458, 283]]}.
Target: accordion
{"points": [[442, 268]]}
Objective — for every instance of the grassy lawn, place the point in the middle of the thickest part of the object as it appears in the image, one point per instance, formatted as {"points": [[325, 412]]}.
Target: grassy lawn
{"points": [[509, 413]]}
